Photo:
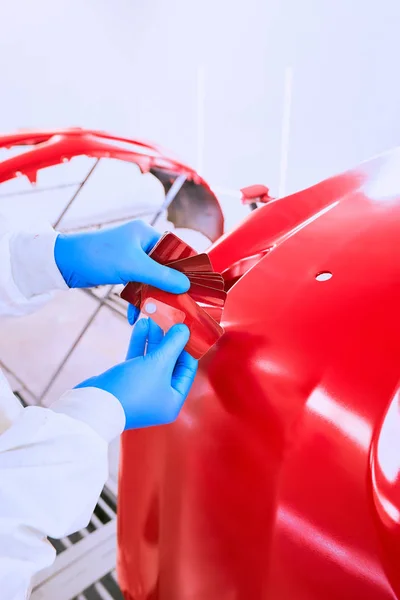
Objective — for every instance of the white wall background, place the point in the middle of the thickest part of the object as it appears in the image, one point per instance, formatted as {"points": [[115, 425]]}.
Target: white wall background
{"points": [[207, 79]]}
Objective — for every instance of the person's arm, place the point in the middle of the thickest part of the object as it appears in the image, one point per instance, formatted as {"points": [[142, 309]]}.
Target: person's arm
{"points": [[28, 272], [35, 263], [54, 462], [53, 466]]}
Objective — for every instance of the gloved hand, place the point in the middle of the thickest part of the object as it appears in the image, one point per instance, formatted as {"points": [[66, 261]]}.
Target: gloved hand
{"points": [[151, 386], [113, 256]]}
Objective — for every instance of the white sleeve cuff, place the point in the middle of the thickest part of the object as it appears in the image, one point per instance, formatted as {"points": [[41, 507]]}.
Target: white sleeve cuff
{"points": [[33, 265], [97, 408]]}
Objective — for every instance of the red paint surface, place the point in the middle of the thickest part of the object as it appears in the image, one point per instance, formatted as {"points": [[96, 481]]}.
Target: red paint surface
{"points": [[280, 479], [56, 146], [48, 148]]}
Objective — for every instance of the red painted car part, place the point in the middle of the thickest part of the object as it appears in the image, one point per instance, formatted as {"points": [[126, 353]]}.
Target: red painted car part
{"points": [[54, 147], [255, 193], [194, 206], [281, 478], [233, 273]]}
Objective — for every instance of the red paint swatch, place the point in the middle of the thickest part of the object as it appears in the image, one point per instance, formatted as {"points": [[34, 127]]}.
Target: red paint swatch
{"points": [[201, 308]]}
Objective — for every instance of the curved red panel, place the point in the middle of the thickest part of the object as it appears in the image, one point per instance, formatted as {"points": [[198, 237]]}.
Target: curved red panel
{"points": [[53, 147], [280, 479], [202, 211]]}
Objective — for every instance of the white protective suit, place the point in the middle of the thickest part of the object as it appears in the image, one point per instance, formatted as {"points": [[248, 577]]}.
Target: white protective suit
{"points": [[53, 462]]}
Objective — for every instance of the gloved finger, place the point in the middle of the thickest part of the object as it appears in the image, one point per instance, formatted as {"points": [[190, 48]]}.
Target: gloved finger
{"points": [[148, 236], [156, 335], [184, 373], [151, 272], [138, 340], [132, 314], [170, 348]]}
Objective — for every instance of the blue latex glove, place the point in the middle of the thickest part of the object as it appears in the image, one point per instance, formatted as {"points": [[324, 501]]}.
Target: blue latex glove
{"points": [[114, 256], [151, 386]]}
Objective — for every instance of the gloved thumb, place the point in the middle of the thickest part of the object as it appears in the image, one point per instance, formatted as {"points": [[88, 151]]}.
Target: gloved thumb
{"points": [[170, 348], [164, 278]]}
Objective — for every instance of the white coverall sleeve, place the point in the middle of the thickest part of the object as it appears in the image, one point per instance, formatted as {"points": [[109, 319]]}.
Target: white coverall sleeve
{"points": [[53, 462], [53, 465], [28, 271]]}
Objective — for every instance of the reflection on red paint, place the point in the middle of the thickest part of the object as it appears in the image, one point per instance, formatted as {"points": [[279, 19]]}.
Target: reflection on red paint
{"points": [[346, 558], [351, 425]]}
